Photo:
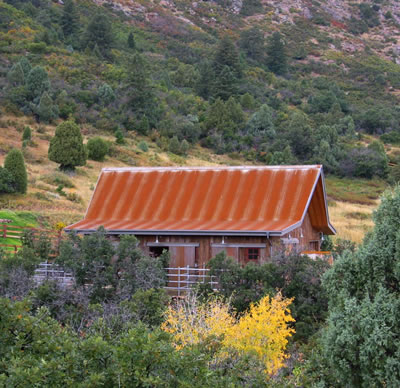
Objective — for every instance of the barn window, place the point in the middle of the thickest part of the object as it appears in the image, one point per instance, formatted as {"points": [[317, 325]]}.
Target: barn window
{"points": [[252, 253], [314, 245]]}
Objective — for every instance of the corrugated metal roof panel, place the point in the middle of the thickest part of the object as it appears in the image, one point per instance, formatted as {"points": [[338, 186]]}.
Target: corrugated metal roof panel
{"points": [[252, 199]]}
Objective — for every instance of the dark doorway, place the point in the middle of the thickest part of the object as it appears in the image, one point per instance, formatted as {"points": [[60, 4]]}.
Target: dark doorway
{"points": [[157, 251]]}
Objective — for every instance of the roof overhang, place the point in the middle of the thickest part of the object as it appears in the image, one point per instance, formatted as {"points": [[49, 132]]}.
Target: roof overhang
{"points": [[244, 233]]}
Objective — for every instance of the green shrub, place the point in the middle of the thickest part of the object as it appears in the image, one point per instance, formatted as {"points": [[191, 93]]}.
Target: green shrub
{"points": [[15, 164], [66, 147], [7, 181], [143, 146], [97, 148], [27, 135]]}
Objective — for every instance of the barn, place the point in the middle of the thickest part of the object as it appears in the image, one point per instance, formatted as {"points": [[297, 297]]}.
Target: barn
{"points": [[197, 212]]}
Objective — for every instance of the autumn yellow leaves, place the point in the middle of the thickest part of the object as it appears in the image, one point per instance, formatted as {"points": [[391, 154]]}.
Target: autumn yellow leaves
{"points": [[261, 332]]}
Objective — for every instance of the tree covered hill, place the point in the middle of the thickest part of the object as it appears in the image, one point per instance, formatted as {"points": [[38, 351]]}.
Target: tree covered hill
{"points": [[273, 82]]}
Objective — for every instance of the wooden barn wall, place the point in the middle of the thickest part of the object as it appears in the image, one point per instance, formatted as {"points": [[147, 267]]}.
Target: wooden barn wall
{"points": [[198, 250]]}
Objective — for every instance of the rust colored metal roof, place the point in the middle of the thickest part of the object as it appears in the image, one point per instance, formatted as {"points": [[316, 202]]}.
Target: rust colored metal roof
{"points": [[207, 200]]}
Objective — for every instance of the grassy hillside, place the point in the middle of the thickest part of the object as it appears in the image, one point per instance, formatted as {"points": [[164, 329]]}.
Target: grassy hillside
{"points": [[275, 82]]}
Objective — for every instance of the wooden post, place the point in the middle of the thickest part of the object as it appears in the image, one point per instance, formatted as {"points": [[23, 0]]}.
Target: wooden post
{"points": [[179, 281], [4, 231]]}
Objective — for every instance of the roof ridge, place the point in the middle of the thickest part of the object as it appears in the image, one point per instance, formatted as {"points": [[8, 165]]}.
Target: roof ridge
{"points": [[242, 167]]}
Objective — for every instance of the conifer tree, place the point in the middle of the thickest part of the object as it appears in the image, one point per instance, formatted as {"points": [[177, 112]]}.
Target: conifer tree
{"points": [[27, 134], [99, 33], [66, 147], [16, 75], [276, 54], [252, 42], [26, 66], [131, 41], [46, 110], [174, 146], [69, 18], [37, 82], [15, 164], [225, 84], [227, 55]]}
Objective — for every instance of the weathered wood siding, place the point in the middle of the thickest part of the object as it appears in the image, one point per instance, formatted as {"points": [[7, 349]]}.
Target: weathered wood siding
{"points": [[198, 250]]}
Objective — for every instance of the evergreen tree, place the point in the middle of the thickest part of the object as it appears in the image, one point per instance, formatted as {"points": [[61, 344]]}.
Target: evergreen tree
{"points": [[37, 82], [225, 84], [131, 41], [227, 55], [119, 137], [26, 66], [361, 343], [16, 75], [46, 110], [27, 134], [205, 83], [99, 32], [261, 123], [300, 136], [144, 126], [184, 147], [141, 94], [174, 146], [106, 94], [7, 181], [97, 148], [276, 54], [15, 164], [66, 147], [69, 18], [252, 42], [247, 101]]}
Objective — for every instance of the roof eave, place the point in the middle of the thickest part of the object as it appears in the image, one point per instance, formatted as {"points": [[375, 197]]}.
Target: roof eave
{"points": [[262, 233]]}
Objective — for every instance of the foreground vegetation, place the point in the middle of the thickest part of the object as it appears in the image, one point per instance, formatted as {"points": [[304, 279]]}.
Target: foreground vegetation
{"points": [[328, 325]]}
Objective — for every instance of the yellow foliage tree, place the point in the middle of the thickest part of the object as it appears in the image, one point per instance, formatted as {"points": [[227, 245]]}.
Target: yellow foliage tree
{"points": [[191, 322], [262, 332]]}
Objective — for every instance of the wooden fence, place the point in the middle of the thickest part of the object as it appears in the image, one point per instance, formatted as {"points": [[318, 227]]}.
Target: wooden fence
{"points": [[183, 279], [16, 233], [49, 271]]}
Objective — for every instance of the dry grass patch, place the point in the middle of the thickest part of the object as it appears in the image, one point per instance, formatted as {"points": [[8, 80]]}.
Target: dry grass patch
{"points": [[352, 221]]}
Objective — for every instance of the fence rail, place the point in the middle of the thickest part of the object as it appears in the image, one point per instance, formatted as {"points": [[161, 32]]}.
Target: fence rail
{"points": [[183, 279], [49, 271], [180, 279], [16, 232]]}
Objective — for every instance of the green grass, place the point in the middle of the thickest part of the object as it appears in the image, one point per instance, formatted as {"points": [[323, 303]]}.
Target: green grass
{"points": [[362, 191], [19, 218]]}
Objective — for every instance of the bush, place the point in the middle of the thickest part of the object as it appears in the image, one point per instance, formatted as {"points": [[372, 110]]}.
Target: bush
{"points": [[97, 148], [15, 164], [27, 135], [7, 181], [119, 137], [143, 146], [66, 147]]}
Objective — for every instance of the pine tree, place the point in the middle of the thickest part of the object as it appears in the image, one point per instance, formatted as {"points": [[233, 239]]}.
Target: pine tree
{"points": [[26, 66], [15, 164], [184, 147], [37, 82], [131, 41], [174, 146], [69, 18], [144, 126], [66, 147], [225, 84], [276, 54], [16, 75], [142, 98], [99, 32], [227, 55], [46, 110], [252, 42], [27, 134]]}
